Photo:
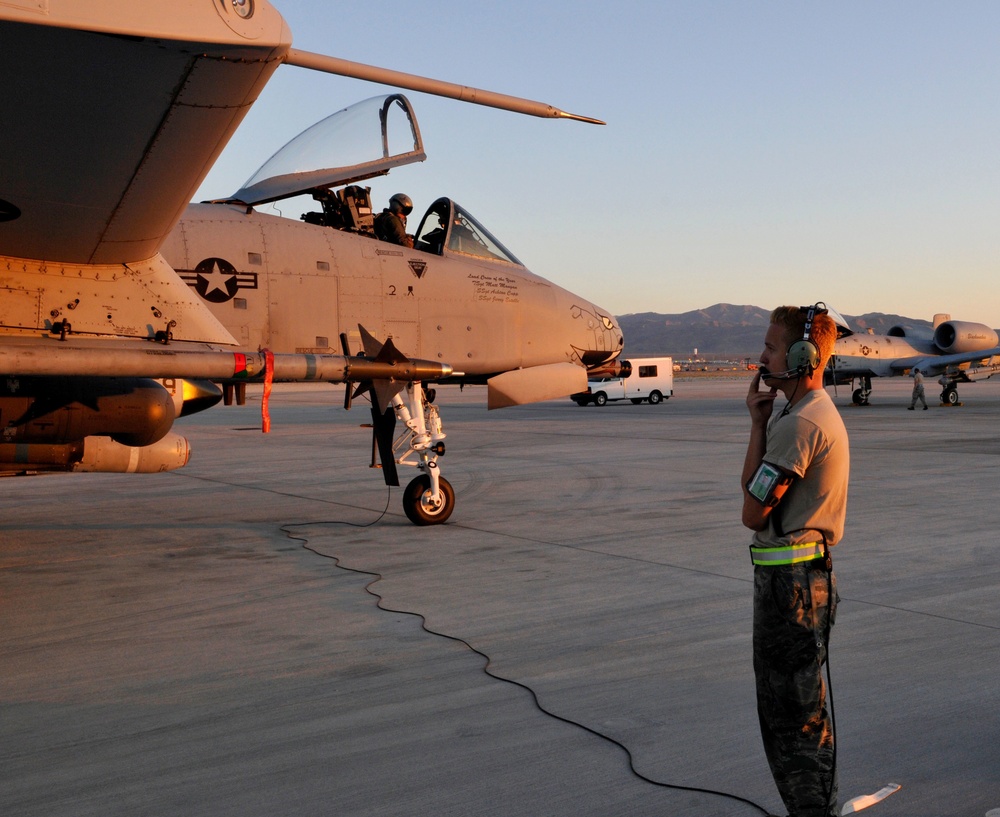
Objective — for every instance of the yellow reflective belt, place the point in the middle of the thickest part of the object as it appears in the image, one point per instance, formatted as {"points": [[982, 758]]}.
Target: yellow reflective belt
{"points": [[788, 555]]}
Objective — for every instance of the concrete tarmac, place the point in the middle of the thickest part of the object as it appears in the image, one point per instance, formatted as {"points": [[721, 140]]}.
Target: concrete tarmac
{"points": [[253, 635]]}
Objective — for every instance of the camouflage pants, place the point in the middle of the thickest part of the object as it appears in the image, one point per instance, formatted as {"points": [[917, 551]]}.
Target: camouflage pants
{"points": [[792, 605]]}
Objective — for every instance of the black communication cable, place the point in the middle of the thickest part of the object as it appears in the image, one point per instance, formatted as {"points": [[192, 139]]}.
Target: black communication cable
{"points": [[380, 603]]}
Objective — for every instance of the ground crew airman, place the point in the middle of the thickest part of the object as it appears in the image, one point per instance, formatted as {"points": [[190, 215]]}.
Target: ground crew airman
{"points": [[795, 478], [918, 390]]}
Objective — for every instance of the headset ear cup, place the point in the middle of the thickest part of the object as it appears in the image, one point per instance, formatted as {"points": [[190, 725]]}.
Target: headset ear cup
{"points": [[803, 354]]}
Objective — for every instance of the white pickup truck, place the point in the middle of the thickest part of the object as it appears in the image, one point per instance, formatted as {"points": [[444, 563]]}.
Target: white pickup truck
{"points": [[650, 378]]}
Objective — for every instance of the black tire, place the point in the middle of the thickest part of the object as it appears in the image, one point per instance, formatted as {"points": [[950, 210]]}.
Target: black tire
{"points": [[600, 399], [415, 501], [655, 397], [950, 396], [858, 397], [636, 400], [580, 402]]}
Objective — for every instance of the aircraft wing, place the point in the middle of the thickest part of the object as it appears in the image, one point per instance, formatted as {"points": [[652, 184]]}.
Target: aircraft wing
{"points": [[986, 359], [906, 364], [113, 114]]}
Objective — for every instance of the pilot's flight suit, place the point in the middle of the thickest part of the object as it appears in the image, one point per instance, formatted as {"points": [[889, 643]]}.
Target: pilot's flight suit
{"points": [[390, 226]]}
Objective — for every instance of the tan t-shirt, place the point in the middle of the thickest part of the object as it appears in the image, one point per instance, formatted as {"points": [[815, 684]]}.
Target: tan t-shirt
{"points": [[811, 442]]}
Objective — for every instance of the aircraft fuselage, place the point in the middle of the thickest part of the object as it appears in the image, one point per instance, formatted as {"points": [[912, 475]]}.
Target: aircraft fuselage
{"points": [[295, 287], [874, 355]]}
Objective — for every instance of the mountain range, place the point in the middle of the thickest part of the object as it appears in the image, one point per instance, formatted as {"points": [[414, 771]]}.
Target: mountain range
{"points": [[724, 331]]}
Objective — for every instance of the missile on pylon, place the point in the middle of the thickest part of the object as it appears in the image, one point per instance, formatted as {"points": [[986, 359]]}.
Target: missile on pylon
{"points": [[192, 362]]}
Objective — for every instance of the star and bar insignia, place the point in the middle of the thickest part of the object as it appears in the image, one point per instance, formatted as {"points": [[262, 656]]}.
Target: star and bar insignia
{"points": [[218, 281]]}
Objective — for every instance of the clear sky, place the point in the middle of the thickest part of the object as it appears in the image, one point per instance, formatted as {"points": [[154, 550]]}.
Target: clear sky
{"points": [[755, 152]]}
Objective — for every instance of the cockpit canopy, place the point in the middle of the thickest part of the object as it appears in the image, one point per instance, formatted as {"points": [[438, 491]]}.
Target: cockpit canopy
{"points": [[360, 142]]}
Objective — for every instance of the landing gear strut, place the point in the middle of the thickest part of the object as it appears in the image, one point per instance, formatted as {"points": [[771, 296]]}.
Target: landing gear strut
{"points": [[861, 395], [429, 499]]}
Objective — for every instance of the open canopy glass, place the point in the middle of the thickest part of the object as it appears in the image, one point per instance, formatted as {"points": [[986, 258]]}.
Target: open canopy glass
{"points": [[359, 142]]}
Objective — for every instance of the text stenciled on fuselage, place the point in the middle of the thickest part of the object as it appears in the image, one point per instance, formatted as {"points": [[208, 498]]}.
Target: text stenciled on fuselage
{"points": [[494, 288]]}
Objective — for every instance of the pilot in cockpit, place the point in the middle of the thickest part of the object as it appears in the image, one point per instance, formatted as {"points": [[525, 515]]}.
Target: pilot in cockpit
{"points": [[390, 224]]}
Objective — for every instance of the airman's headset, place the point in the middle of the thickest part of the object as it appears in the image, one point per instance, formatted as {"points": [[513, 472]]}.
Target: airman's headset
{"points": [[802, 357]]}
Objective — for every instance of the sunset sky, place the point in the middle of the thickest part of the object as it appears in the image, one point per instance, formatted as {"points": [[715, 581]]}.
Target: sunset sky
{"points": [[755, 152]]}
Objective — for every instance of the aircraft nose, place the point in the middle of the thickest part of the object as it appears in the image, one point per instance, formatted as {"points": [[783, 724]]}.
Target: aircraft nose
{"points": [[602, 336]]}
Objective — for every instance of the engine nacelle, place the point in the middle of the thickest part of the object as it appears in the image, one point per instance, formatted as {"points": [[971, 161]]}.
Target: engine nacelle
{"points": [[901, 330], [954, 337], [96, 454], [132, 411]]}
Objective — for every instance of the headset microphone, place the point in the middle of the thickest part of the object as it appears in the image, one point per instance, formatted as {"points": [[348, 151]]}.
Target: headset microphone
{"points": [[790, 374]]}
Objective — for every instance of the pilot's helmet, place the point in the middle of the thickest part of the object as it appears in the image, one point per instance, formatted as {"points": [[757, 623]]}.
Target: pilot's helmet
{"points": [[400, 203]]}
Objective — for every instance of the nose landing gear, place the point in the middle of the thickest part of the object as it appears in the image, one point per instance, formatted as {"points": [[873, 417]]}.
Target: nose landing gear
{"points": [[429, 499], [861, 395]]}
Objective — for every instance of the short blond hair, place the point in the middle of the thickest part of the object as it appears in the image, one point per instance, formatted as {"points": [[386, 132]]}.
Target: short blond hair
{"points": [[823, 332]]}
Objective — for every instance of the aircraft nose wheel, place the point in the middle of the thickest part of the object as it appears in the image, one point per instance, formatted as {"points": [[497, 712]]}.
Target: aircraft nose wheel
{"points": [[419, 507]]}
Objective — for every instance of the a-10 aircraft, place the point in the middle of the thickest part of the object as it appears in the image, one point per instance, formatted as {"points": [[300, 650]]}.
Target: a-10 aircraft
{"points": [[952, 351], [113, 115]]}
